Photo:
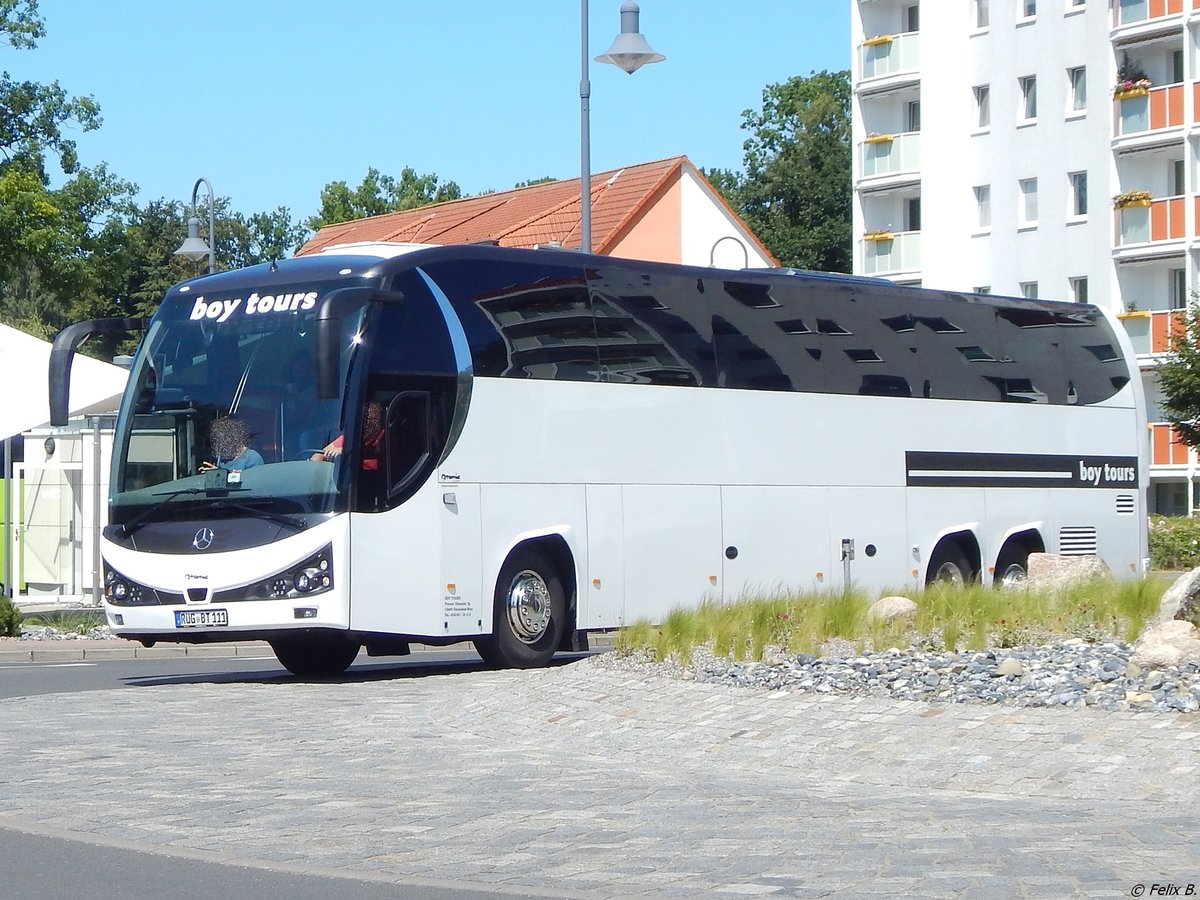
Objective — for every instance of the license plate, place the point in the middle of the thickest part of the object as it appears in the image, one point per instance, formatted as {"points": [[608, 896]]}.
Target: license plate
{"points": [[201, 618]]}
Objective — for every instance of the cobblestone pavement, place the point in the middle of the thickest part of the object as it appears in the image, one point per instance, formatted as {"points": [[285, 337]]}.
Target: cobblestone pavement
{"points": [[584, 780]]}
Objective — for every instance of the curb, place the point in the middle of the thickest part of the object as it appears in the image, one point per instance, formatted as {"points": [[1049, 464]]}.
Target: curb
{"points": [[78, 651], [98, 651]]}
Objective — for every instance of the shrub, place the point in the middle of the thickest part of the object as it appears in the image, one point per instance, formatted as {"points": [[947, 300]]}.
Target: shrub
{"points": [[10, 618], [1174, 542]]}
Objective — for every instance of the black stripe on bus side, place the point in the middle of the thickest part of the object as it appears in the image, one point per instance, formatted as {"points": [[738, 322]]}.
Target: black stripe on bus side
{"points": [[946, 469]]}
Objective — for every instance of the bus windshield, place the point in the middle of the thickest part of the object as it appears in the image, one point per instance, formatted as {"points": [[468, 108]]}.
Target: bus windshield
{"points": [[224, 407]]}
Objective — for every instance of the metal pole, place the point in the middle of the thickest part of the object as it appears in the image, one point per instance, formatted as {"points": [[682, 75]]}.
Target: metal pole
{"points": [[585, 138], [97, 576], [8, 554], [212, 221]]}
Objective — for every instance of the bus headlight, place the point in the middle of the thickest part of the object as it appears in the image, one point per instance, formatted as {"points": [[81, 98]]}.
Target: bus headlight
{"points": [[311, 576], [122, 591]]}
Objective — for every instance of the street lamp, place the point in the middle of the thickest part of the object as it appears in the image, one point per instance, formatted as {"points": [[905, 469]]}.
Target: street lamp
{"points": [[629, 51], [194, 247]]}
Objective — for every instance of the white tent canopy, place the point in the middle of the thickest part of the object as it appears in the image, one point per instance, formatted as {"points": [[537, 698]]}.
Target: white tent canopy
{"points": [[25, 374]]}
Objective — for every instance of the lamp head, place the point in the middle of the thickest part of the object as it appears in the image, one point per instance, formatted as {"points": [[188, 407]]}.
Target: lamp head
{"points": [[629, 50], [194, 247]]}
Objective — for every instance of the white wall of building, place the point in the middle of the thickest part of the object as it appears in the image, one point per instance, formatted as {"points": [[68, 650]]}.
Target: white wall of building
{"points": [[710, 234]]}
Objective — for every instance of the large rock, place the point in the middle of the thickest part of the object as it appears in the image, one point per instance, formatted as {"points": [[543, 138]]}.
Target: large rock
{"points": [[887, 609], [1181, 601], [1173, 643], [1047, 570]]}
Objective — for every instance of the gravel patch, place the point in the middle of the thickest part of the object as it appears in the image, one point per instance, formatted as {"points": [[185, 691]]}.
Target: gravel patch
{"points": [[1066, 674]]}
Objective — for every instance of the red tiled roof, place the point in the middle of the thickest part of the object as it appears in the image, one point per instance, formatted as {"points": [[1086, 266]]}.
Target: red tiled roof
{"points": [[522, 217]]}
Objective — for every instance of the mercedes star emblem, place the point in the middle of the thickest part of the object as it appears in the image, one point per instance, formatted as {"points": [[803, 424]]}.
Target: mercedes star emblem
{"points": [[203, 539]]}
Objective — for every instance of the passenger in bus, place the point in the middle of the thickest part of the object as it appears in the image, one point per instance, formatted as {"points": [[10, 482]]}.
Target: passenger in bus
{"points": [[227, 439], [372, 433]]}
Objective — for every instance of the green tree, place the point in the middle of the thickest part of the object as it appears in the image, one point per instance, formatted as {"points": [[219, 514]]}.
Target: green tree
{"points": [[795, 193], [32, 115], [379, 194], [1179, 377]]}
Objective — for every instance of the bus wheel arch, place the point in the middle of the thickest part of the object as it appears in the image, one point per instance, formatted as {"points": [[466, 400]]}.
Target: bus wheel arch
{"points": [[1012, 563], [533, 610], [954, 560]]}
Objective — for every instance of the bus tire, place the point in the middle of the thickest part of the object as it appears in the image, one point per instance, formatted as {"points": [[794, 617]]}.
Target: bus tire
{"points": [[1012, 568], [315, 655], [529, 613], [949, 567]]}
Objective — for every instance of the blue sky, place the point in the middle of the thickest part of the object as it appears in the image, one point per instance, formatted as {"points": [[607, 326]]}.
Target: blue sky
{"points": [[271, 101]]}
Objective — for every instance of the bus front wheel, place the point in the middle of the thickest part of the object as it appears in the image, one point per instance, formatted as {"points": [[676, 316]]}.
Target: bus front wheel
{"points": [[315, 655], [529, 613]]}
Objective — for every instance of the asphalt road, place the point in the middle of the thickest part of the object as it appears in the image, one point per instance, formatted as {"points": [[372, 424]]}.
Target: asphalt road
{"points": [[32, 679]]}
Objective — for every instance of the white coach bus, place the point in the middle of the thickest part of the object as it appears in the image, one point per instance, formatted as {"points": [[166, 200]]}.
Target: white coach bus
{"points": [[570, 443]]}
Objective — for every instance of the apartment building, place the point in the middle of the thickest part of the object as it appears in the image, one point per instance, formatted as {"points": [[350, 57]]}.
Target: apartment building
{"points": [[1045, 148]]}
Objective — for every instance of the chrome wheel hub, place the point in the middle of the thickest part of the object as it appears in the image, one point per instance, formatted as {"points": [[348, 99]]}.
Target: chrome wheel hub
{"points": [[528, 606]]}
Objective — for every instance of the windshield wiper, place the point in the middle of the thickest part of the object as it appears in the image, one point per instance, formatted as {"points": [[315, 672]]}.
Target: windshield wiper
{"points": [[136, 522], [280, 518]]}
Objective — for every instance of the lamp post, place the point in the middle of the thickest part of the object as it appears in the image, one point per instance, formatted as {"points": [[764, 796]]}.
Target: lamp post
{"points": [[629, 51], [193, 246]]}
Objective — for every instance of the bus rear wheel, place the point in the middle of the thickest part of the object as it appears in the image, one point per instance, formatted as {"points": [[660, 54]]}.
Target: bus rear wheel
{"points": [[949, 567], [529, 613], [315, 655], [1012, 569]]}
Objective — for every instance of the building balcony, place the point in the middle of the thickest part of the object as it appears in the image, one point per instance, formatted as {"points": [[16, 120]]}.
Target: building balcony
{"points": [[1151, 331], [888, 60], [891, 253], [887, 158], [1166, 449], [1156, 113], [1133, 12], [1151, 229]]}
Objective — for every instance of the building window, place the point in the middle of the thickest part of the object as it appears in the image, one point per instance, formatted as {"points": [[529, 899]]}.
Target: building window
{"points": [[1178, 288], [912, 214], [1029, 201], [1028, 84], [983, 106], [912, 116], [1029, 290], [1176, 178], [983, 289], [1079, 289], [1077, 78], [1075, 4], [983, 204], [982, 20], [912, 18], [1079, 198], [1028, 8], [1177, 67]]}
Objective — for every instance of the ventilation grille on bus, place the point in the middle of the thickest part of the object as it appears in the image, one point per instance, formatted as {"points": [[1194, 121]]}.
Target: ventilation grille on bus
{"points": [[1077, 540], [1126, 506]]}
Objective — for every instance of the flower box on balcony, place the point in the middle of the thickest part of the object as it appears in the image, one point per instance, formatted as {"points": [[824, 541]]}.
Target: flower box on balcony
{"points": [[877, 40], [878, 236], [879, 139], [1139, 87], [1132, 198], [1134, 314]]}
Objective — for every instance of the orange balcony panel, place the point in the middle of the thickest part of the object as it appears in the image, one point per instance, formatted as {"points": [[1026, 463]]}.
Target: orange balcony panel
{"points": [[1166, 448], [1166, 106], [1166, 219], [1163, 328], [1160, 8]]}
